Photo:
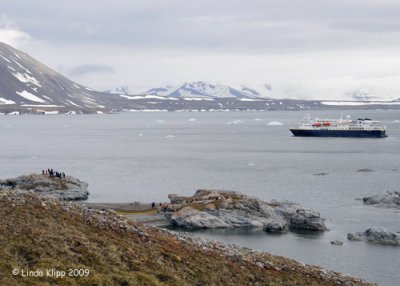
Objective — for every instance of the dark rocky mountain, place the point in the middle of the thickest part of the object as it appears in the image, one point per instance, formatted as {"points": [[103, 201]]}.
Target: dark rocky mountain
{"points": [[28, 86]]}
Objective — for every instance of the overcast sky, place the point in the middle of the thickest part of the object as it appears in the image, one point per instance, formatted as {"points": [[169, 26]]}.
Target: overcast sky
{"points": [[302, 49]]}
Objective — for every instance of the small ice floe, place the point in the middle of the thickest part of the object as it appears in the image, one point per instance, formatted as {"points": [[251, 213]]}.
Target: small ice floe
{"points": [[396, 121], [160, 121], [257, 119], [275, 123], [251, 164], [170, 136], [140, 134], [235, 122], [192, 119]]}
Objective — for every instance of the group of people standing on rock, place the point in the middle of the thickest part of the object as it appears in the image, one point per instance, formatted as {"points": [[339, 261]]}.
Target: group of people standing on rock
{"points": [[51, 173]]}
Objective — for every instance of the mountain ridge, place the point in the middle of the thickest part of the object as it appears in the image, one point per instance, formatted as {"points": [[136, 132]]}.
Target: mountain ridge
{"points": [[202, 89], [25, 82]]}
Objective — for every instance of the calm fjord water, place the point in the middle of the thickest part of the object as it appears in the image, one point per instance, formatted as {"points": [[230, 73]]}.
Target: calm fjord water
{"points": [[146, 156]]}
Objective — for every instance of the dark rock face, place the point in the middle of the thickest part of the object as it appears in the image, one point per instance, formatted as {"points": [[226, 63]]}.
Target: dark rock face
{"points": [[386, 200], [222, 209], [357, 236], [376, 235], [306, 219], [26, 85], [68, 188]]}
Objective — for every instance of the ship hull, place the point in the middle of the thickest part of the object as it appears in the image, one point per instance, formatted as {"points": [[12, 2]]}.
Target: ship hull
{"points": [[339, 133]]}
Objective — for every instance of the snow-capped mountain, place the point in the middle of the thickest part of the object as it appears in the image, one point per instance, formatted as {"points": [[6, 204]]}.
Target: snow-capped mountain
{"points": [[26, 84], [201, 89], [124, 89], [361, 95]]}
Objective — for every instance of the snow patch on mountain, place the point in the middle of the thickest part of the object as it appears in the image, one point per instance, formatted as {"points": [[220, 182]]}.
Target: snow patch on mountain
{"points": [[359, 103], [26, 78], [30, 96], [6, 101], [201, 89], [21, 66], [7, 60], [146, 97]]}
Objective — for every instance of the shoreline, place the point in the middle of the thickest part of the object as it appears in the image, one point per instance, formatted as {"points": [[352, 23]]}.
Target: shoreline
{"points": [[134, 207], [157, 255]]}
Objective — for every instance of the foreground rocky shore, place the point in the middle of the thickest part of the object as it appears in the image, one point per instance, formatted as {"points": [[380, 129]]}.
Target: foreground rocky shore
{"points": [[38, 232]]}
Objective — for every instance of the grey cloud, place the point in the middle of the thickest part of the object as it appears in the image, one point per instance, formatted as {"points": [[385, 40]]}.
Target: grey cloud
{"points": [[369, 27], [329, 45], [90, 69], [224, 26]]}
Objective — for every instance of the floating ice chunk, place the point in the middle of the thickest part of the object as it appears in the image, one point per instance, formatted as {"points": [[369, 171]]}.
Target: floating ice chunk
{"points": [[396, 121], [275, 123], [160, 121], [140, 134], [170, 136], [192, 119], [235, 122], [251, 164], [257, 119]]}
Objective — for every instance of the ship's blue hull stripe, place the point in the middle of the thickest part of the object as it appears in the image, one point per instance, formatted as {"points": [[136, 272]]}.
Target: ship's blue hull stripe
{"points": [[339, 133]]}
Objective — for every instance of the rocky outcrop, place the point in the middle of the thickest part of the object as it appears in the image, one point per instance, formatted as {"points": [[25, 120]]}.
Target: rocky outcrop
{"points": [[223, 209], [336, 242], [68, 188], [376, 235], [191, 218], [386, 200]]}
